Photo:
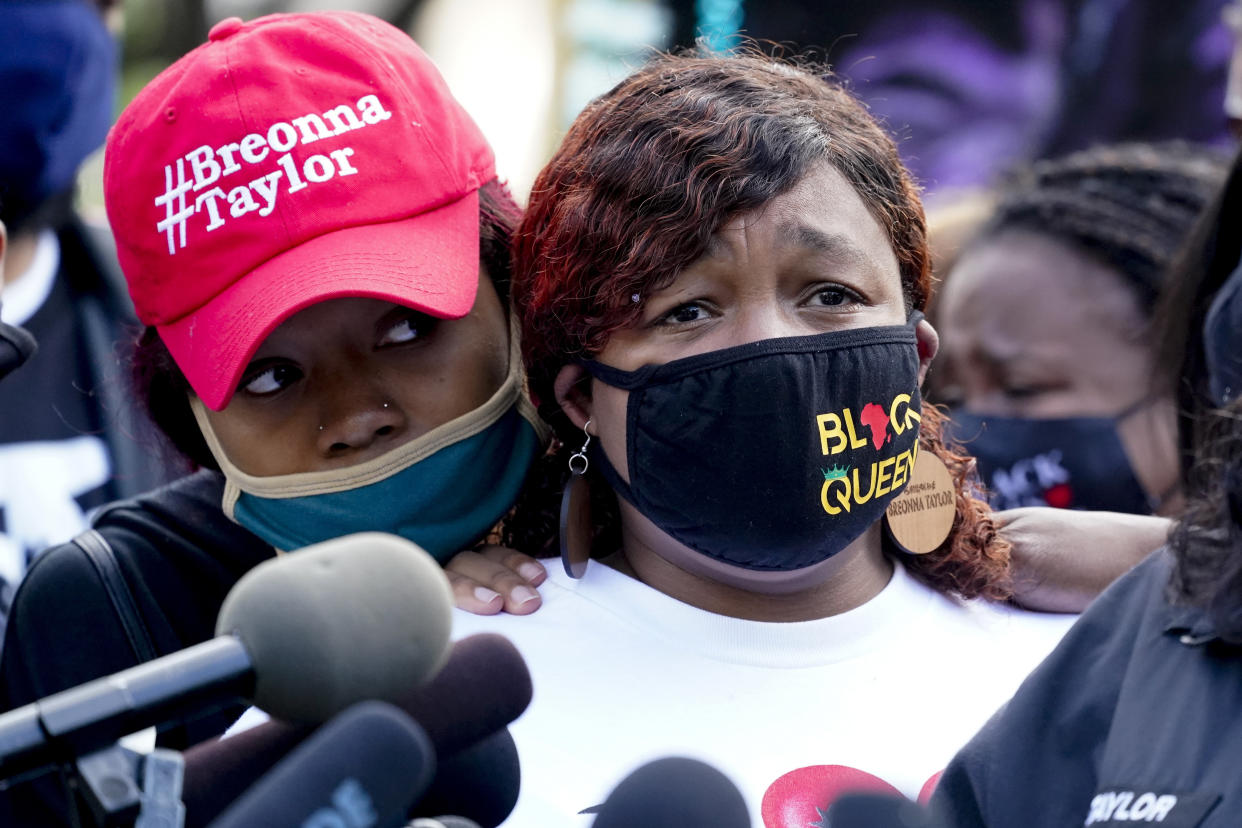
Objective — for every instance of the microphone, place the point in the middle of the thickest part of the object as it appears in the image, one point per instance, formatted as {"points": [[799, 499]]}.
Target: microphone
{"points": [[366, 767], [872, 810], [480, 783], [443, 822], [674, 793], [482, 687], [305, 635]]}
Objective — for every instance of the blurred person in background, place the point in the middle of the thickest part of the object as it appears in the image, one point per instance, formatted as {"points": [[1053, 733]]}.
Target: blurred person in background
{"points": [[70, 438], [17, 346], [1045, 328], [972, 88], [1134, 718]]}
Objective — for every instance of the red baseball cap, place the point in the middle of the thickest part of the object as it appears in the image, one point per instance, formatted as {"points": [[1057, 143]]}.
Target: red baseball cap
{"points": [[289, 160]]}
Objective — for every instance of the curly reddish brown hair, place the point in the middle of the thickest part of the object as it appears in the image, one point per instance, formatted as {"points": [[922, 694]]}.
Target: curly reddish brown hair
{"points": [[643, 179]]}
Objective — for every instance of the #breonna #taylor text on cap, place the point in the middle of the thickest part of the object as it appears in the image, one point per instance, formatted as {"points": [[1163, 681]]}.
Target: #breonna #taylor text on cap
{"points": [[288, 160]]}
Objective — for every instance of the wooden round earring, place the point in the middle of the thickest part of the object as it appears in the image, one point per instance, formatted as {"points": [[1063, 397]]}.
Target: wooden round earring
{"points": [[921, 517]]}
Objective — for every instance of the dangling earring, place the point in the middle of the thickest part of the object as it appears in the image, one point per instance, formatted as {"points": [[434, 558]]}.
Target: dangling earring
{"points": [[575, 526], [920, 518]]}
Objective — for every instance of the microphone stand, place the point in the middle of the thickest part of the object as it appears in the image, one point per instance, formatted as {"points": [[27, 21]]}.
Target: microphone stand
{"points": [[122, 787], [75, 722]]}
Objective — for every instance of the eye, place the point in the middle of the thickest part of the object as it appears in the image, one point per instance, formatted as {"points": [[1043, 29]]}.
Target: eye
{"points": [[684, 314], [833, 296], [408, 328], [264, 381]]}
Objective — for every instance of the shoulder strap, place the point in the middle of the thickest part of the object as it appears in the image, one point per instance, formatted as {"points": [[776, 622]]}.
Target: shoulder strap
{"points": [[100, 554]]}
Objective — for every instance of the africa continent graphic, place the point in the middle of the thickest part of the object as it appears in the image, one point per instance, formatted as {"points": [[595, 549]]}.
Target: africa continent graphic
{"points": [[875, 418]]}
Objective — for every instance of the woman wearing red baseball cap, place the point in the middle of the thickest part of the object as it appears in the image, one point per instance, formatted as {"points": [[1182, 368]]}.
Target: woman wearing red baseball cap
{"points": [[296, 207], [313, 233]]}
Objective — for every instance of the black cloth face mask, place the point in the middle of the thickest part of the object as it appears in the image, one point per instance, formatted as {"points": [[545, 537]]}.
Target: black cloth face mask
{"points": [[1069, 463], [774, 455]]}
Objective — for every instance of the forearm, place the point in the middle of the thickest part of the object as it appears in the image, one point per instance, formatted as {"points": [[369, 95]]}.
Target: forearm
{"points": [[1063, 559]]}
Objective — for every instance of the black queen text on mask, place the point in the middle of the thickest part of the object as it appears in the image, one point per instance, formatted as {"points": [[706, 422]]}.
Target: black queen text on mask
{"points": [[774, 455]]}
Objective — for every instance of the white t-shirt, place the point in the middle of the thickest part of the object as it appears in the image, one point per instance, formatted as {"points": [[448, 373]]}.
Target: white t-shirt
{"points": [[623, 675]]}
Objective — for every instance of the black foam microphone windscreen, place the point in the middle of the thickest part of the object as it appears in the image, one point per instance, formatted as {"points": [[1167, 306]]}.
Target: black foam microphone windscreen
{"points": [[872, 810], [482, 688], [366, 767], [480, 783], [219, 771], [674, 793]]}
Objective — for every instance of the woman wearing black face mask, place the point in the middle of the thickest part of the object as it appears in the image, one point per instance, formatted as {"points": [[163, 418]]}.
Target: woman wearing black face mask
{"points": [[1134, 718], [719, 278], [1044, 321]]}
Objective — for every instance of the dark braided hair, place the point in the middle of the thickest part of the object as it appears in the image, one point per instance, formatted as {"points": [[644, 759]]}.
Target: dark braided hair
{"points": [[1129, 206]]}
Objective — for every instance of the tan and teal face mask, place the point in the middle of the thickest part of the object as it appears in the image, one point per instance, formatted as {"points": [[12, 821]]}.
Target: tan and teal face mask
{"points": [[443, 490]]}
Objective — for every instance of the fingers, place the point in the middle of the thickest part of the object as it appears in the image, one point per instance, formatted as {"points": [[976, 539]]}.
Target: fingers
{"points": [[528, 568], [494, 578], [470, 595]]}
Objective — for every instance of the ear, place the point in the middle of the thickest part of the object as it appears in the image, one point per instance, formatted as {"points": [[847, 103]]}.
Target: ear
{"points": [[573, 393], [929, 344], [4, 245]]}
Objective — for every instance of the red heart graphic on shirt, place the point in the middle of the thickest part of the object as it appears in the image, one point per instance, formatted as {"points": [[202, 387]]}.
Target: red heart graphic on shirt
{"points": [[929, 787], [800, 798]]}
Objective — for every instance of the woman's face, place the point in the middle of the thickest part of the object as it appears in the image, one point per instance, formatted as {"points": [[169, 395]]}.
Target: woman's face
{"points": [[347, 380], [1032, 328], [811, 260]]}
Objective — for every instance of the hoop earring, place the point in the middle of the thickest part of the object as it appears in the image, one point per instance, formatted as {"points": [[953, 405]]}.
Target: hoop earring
{"points": [[575, 522]]}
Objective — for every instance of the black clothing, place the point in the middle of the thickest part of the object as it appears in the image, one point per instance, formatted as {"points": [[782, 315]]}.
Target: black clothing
{"points": [[180, 556], [1135, 717], [105, 316], [76, 388], [48, 400]]}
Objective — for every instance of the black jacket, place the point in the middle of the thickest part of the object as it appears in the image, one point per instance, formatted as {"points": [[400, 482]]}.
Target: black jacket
{"points": [[1135, 718], [179, 555], [105, 320]]}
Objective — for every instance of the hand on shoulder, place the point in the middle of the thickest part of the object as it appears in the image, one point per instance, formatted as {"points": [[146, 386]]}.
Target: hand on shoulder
{"points": [[494, 578]]}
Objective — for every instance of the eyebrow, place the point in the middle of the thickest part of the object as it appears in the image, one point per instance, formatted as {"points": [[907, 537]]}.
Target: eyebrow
{"points": [[833, 245]]}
